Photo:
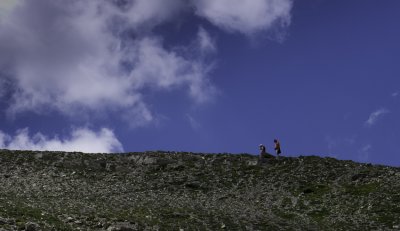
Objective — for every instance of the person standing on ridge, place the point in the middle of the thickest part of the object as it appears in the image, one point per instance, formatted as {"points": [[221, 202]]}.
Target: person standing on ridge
{"points": [[277, 148], [262, 153]]}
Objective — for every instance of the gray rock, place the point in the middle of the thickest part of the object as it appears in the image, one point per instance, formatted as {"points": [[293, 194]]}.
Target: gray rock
{"points": [[122, 226], [3, 221], [31, 226]]}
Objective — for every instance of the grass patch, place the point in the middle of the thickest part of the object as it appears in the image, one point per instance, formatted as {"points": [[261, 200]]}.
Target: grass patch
{"points": [[23, 213], [314, 191], [363, 189], [319, 215], [285, 214], [387, 219]]}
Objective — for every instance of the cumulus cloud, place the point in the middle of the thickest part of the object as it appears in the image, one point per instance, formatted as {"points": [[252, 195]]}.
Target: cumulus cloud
{"points": [[158, 68], [375, 116], [80, 56], [246, 17], [103, 56], [6, 6], [142, 14], [82, 140]]}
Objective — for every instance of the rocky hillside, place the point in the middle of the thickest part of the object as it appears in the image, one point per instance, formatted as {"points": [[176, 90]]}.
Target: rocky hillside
{"points": [[185, 191]]}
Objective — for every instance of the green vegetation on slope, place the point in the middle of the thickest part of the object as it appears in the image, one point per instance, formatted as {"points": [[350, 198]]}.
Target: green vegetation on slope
{"points": [[172, 191]]}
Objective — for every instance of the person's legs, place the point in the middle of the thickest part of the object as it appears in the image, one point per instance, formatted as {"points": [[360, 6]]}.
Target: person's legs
{"points": [[261, 158]]}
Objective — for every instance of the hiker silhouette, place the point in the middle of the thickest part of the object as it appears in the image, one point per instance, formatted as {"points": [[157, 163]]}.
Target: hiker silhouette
{"points": [[277, 148], [263, 152]]}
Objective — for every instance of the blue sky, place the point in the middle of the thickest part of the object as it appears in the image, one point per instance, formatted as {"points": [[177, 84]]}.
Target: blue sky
{"points": [[203, 76]]}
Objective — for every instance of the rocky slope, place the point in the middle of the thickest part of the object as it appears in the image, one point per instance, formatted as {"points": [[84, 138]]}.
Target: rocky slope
{"points": [[185, 191]]}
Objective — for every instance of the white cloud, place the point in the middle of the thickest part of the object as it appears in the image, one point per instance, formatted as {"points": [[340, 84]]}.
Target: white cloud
{"points": [[82, 140], [6, 6], [142, 14], [395, 94], [245, 16], [81, 57], [76, 57], [375, 116], [207, 44]]}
